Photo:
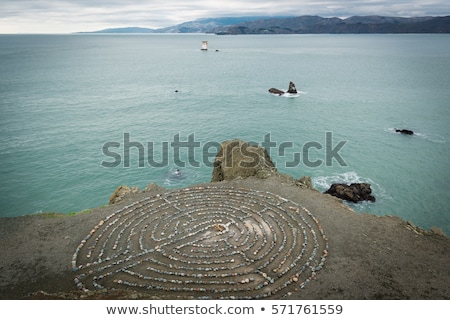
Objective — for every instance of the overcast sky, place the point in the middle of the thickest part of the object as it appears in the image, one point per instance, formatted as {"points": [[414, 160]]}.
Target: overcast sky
{"points": [[65, 16]]}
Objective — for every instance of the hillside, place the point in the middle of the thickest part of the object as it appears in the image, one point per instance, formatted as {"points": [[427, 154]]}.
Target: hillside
{"points": [[356, 24], [210, 25], [300, 25], [124, 30], [205, 25]]}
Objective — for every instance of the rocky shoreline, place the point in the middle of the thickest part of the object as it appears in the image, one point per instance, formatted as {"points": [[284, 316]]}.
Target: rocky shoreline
{"points": [[362, 256]]}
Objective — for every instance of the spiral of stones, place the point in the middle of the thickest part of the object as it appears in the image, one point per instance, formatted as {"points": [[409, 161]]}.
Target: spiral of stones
{"points": [[204, 242]]}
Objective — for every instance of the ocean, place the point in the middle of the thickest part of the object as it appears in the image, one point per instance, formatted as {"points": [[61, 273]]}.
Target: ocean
{"points": [[82, 114]]}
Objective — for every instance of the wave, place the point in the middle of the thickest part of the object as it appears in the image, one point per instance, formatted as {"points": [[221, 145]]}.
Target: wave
{"points": [[434, 137], [290, 95], [175, 177], [181, 177], [322, 183]]}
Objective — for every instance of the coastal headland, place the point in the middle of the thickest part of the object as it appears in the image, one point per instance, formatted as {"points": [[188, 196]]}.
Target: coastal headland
{"points": [[250, 233]]}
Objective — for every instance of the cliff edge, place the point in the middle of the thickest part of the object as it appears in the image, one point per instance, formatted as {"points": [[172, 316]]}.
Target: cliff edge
{"points": [[362, 256]]}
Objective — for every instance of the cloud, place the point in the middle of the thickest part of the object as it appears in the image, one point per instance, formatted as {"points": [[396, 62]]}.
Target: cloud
{"points": [[61, 16]]}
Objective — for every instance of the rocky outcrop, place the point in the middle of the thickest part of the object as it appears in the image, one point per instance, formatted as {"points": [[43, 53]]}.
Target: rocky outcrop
{"points": [[153, 187], [237, 158], [276, 91], [122, 192], [292, 90], [354, 192], [404, 131], [306, 181]]}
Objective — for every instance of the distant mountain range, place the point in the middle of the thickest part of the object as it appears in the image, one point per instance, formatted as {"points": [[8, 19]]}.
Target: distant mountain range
{"points": [[301, 25], [356, 24], [206, 25]]}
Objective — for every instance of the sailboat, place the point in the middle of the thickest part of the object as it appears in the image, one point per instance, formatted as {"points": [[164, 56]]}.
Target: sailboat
{"points": [[204, 45]]}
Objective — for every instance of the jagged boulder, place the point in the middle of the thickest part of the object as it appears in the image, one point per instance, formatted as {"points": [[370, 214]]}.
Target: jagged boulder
{"points": [[121, 192], [153, 187], [306, 182], [354, 192], [237, 158], [292, 88], [405, 131]]}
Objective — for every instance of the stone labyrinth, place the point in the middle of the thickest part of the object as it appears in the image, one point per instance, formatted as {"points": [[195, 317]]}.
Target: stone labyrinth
{"points": [[204, 242]]}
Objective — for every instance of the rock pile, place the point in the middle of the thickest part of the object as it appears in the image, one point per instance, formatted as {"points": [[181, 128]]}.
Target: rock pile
{"points": [[354, 192]]}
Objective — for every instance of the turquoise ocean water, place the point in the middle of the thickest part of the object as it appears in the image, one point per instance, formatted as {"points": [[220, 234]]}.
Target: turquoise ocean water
{"points": [[63, 97]]}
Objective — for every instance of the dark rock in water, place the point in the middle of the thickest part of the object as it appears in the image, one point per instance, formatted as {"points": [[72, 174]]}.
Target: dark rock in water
{"points": [[292, 88], [354, 192], [404, 131], [276, 91]]}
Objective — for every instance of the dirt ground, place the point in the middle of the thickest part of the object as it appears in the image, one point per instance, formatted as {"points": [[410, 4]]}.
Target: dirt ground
{"points": [[370, 257]]}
